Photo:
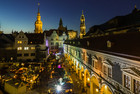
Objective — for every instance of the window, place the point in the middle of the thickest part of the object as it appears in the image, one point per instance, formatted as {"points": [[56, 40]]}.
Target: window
{"points": [[63, 38], [22, 36], [19, 42], [26, 54], [32, 48], [109, 44], [32, 54], [105, 70], [26, 48], [19, 55], [52, 43], [19, 48], [84, 56], [60, 44], [51, 39], [57, 43], [109, 72], [136, 87], [93, 63], [87, 43], [127, 82]]}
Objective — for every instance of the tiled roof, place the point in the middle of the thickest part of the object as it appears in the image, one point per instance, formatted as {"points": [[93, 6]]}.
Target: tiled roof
{"points": [[126, 45], [35, 38]]}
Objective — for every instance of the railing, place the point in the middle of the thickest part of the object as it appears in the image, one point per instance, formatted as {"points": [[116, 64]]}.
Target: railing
{"points": [[117, 85]]}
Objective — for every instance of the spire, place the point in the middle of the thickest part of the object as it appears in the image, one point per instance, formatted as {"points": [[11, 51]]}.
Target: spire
{"points": [[60, 22], [135, 9], [38, 22], [38, 7], [82, 25]]}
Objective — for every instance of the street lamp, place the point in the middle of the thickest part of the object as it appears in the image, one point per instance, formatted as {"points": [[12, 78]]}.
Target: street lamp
{"points": [[59, 88]]}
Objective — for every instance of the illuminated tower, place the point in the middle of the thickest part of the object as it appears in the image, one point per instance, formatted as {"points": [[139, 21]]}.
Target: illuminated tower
{"points": [[38, 23], [82, 26]]}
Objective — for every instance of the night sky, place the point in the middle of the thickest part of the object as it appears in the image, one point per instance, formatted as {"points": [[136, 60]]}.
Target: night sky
{"points": [[21, 14]]}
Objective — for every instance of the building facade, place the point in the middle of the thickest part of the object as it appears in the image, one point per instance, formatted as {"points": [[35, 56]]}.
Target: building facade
{"points": [[56, 37], [108, 63], [30, 46]]}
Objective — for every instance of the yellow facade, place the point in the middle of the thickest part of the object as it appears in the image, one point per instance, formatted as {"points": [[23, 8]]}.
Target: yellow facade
{"points": [[38, 24], [82, 26]]}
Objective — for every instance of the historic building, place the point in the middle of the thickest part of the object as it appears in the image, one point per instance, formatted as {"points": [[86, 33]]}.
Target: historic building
{"points": [[56, 37], [108, 57], [30, 46], [38, 23], [7, 51], [117, 25], [82, 26]]}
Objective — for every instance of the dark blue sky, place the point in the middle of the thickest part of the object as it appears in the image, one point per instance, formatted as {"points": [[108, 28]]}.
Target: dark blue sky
{"points": [[21, 14]]}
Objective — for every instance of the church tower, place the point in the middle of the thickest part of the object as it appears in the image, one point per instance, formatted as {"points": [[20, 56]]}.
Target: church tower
{"points": [[38, 23], [82, 26]]}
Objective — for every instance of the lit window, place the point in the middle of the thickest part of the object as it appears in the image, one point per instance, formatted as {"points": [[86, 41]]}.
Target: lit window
{"points": [[32, 48], [19, 42], [136, 87], [26, 48], [109, 72], [19, 48]]}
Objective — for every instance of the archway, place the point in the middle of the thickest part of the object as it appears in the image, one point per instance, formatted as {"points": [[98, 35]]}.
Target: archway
{"points": [[105, 90], [94, 85], [86, 78]]}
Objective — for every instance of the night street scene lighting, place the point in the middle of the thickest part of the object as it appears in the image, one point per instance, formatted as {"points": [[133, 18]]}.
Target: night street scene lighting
{"points": [[70, 47]]}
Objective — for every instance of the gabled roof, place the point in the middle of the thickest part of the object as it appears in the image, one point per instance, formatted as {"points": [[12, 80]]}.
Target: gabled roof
{"points": [[132, 71], [35, 38]]}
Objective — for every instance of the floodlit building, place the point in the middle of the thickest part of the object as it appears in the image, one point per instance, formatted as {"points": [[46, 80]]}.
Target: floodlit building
{"points": [[38, 23], [108, 56], [82, 26], [30, 46], [56, 37]]}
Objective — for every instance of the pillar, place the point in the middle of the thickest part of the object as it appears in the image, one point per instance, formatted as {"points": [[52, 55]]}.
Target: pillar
{"points": [[85, 79], [91, 87]]}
